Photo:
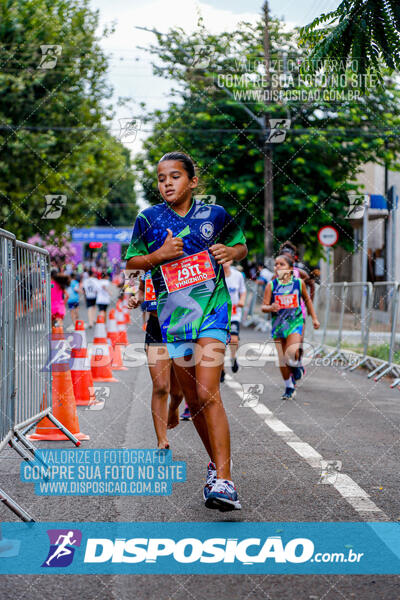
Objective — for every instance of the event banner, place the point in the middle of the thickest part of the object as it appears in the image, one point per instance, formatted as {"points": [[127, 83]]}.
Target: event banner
{"points": [[214, 548]]}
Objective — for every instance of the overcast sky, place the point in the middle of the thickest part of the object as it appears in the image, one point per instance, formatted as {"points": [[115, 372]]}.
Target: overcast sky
{"points": [[130, 71]]}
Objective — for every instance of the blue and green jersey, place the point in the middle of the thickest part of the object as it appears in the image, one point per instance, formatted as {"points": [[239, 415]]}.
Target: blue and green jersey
{"points": [[206, 305], [290, 319]]}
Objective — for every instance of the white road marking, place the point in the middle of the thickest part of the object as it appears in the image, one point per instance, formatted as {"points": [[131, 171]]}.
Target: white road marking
{"points": [[355, 495], [260, 409], [276, 425], [305, 450], [349, 488]]}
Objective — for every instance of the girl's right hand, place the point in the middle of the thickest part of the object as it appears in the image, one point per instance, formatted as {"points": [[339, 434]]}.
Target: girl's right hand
{"points": [[134, 301], [270, 307], [172, 247]]}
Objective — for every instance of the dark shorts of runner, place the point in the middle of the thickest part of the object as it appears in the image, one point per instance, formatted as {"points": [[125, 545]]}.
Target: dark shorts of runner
{"points": [[73, 305], [153, 332], [90, 302], [102, 307], [235, 328]]}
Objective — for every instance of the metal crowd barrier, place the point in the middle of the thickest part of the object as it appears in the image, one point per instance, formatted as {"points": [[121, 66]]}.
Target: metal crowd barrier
{"points": [[356, 321], [383, 325], [25, 323], [357, 317], [32, 339], [330, 302], [252, 315], [7, 336], [310, 333], [335, 319]]}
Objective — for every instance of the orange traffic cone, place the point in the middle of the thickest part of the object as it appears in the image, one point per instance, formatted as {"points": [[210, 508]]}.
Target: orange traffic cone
{"points": [[126, 310], [101, 359], [81, 374], [117, 362], [112, 333], [121, 328], [115, 349], [64, 407]]}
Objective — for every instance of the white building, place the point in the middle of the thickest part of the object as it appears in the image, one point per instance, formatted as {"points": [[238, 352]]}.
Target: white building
{"points": [[347, 266]]}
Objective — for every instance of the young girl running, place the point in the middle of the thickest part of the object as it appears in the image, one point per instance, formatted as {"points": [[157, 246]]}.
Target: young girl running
{"points": [[282, 298], [185, 243], [289, 249], [160, 366], [73, 298]]}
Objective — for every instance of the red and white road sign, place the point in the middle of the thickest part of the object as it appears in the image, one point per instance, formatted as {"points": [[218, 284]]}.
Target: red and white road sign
{"points": [[328, 236]]}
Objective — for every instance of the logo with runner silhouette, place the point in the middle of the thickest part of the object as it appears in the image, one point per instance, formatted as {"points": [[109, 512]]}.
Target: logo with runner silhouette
{"points": [[251, 394], [278, 130], [62, 547]]}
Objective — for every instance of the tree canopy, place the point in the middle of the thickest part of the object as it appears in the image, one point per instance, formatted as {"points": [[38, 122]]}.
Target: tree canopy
{"points": [[54, 112], [366, 32], [315, 167]]}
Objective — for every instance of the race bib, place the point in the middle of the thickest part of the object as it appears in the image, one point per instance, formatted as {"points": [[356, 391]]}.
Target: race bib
{"points": [[287, 300], [149, 292], [188, 271]]}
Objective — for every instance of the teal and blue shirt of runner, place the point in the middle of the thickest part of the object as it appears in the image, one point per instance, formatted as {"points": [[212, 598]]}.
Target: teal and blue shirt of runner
{"points": [[287, 320], [73, 293]]}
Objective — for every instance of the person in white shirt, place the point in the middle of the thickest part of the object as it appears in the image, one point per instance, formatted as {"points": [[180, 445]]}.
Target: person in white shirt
{"points": [[103, 297], [89, 286], [237, 291], [264, 276]]}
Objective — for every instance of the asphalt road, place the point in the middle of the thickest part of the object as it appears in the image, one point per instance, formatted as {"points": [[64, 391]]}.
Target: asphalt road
{"points": [[279, 449]]}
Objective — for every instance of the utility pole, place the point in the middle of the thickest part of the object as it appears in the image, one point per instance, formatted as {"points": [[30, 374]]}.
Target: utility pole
{"points": [[268, 173], [264, 125]]}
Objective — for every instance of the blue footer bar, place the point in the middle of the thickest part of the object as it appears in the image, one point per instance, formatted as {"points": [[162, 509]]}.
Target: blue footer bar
{"points": [[215, 548]]}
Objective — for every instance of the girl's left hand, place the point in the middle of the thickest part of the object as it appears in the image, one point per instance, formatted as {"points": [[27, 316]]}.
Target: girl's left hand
{"points": [[221, 253], [316, 324], [134, 301]]}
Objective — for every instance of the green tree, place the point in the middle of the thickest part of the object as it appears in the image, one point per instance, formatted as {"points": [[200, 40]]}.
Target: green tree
{"points": [[53, 114], [314, 168], [365, 31], [120, 210]]}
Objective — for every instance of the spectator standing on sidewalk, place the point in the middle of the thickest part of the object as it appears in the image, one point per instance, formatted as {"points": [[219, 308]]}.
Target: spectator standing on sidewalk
{"points": [[103, 297], [89, 286]]}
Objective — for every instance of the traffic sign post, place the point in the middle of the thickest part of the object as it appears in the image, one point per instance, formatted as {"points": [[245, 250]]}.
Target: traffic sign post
{"points": [[328, 237]]}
